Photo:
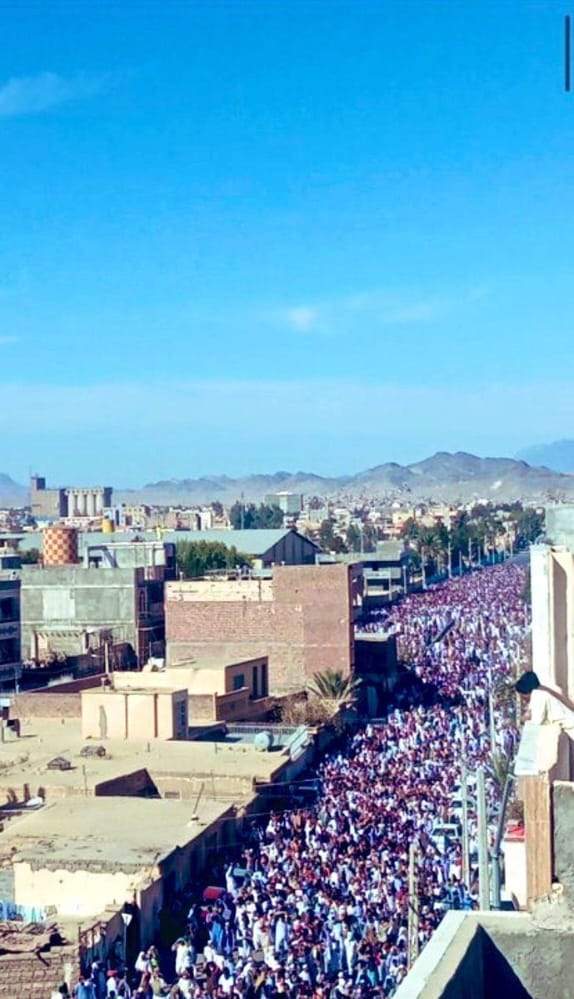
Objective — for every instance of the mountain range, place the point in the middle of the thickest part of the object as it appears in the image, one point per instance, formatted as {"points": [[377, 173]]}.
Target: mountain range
{"points": [[443, 476]]}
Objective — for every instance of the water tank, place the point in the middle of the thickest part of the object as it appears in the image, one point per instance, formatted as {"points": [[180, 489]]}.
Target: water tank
{"points": [[263, 741], [107, 525], [60, 545]]}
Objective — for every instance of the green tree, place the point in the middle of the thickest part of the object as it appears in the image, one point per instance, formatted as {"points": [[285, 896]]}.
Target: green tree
{"points": [[248, 515], [328, 540], [195, 558], [529, 525], [30, 557]]}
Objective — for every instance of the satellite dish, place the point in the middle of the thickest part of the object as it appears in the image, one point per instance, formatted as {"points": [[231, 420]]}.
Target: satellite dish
{"points": [[263, 741]]}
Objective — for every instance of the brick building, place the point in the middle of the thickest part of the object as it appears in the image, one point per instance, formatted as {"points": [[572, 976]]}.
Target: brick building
{"points": [[302, 619]]}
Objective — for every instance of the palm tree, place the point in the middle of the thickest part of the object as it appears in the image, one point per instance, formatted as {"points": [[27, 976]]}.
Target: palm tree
{"points": [[333, 689]]}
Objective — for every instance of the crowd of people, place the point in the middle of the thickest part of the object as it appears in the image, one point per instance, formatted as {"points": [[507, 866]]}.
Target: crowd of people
{"points": [[320, 909]]}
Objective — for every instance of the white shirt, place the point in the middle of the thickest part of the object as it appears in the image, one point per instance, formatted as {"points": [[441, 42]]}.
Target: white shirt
{"points": [[545, 709]]}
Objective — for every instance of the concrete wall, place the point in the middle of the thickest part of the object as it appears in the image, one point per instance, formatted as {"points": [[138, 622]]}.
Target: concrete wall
{"points": [[305, 628], [57, 599], [552, 574], [134, 714], [487, 955], [540, 589], [74, 893]]}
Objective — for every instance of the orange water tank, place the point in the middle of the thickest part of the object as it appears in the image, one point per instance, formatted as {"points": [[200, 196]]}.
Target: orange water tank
{"points": [[60, 545]]}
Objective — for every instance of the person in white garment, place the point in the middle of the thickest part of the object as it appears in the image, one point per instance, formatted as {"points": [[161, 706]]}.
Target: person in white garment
{"points": [[546, 705]]}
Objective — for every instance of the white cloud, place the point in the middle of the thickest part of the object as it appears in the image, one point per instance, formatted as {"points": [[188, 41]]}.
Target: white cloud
{"points": [[302, 317], [389, 308], [426, 310], [22, 95]]}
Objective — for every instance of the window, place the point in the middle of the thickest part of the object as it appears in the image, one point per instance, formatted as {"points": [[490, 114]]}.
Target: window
{"points": [[238, 681]]}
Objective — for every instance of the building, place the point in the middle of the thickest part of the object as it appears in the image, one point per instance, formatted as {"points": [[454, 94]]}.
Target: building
{"points": [[218, 689], [302, 619], [10, 564], [103, 613], [156, 557], [73, 501], [289, 503], [552, 585], [10, 656], [124, 712], [386, 571], [265, 548]]}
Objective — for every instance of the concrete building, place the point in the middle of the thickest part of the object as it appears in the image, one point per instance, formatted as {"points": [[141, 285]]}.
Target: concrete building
{"points": [[10, 651], [72, 501], [385, 571], [10, 654], [218, 689], [111, 711], [79, 611], [552, 585], [97, 550], [302, 618], [289, 503]]}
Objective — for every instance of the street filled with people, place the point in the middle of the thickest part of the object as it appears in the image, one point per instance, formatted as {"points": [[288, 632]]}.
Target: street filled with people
{"points": [[318, 904]]}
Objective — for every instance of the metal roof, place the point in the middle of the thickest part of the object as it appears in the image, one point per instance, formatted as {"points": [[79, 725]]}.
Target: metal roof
{"points": [[251, 541]]}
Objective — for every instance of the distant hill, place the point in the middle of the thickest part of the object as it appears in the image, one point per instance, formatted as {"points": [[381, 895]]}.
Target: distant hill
{"points": [[442, 476], [12, 493], [559, 456]]}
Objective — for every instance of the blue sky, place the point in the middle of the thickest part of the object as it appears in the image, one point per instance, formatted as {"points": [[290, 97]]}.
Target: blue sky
{"points": [[246, 236]]}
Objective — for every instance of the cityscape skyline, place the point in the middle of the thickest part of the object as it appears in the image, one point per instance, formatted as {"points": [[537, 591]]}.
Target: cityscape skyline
{"points": [[244, 237]]}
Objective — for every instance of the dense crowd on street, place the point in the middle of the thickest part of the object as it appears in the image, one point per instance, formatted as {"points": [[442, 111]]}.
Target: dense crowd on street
{"points": [[320, 909]]}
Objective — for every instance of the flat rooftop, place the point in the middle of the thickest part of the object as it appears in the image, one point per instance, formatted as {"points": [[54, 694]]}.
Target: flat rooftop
{"points": [[139, 832], [25, 761], [214, 661]]}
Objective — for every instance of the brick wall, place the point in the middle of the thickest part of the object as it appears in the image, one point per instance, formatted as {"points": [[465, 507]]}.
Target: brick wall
{"points": [[306, 628], [63, 700], [31, 976], [201, 707]]}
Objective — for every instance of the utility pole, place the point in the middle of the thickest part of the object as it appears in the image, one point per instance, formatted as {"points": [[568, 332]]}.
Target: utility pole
{"points": [[464, 797], [491, 724], [483, 879], [424, 575], [449, 550], [495, 855], [413, 907]]}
